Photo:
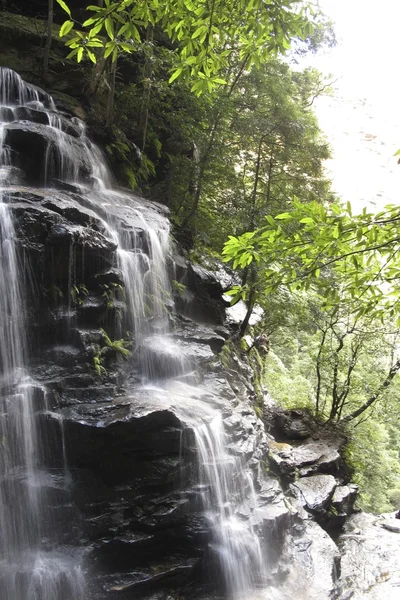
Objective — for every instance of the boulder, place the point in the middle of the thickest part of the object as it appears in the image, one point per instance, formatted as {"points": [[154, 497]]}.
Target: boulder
{"points": [[313, 563], [370, 558], [315, 492], [344, 498]]}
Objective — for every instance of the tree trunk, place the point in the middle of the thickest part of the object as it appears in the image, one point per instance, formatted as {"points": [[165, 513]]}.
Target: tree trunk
{"points": [[252, 278], [207, 151], [50, 15], [147, 74], [110, 100], [394, 369]]}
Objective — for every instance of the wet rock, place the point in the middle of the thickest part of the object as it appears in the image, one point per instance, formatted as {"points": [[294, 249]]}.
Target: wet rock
{"points": [[344, 498], [370, 559], [169, 357], [315, 492], [32, 142], [314, 560], [391, 525], [276, 519], [24, 113], [317, 456], [204, 299], [177, 572], [66, 235], [109, 276], [200, 334], [286, 425], [223, 332], [67, 187]]}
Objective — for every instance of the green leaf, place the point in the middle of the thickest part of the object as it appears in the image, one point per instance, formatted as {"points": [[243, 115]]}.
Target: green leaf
{"points": [[91, 55], [199, 31], [109, 25], [175, 75], [64, 7], [90, 21], [65, 28], [80, 54], [284, 216], [109, 49]]}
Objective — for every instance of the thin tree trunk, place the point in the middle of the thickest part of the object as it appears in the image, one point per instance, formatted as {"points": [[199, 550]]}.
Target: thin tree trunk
{"points": [[319, 375], [206, 153], [394, 369], [111, 92], [144, 109], [50, 15], [251, 302], [98, 70]]}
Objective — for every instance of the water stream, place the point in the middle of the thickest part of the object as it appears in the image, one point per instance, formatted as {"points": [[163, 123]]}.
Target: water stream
{"points": [[31, 563]]}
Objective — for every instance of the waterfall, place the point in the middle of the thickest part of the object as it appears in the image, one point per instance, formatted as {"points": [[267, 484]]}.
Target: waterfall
{"points": [[28, 569], [32, 564], [227, 485]]}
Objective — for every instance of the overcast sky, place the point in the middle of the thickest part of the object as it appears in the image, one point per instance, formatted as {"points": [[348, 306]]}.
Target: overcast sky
{"points": [[367, 55], [363, 122]]}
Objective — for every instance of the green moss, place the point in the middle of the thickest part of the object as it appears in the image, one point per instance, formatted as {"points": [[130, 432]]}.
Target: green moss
{"points": [[178, 288]]}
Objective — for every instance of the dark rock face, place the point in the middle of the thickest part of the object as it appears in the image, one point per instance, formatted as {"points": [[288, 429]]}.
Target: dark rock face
{"points": [[38, 154], [202, 299], [315, 492]]}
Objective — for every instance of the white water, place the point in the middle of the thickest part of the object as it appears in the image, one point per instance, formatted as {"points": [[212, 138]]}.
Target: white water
{"points": [[228, 485], [28, 571]]}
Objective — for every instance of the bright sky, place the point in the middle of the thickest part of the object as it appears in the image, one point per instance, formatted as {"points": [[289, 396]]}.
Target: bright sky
{"points": [[363, 121]]}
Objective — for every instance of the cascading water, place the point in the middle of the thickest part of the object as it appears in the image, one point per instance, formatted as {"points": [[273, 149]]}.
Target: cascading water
{"points": [[228, 485], [30, 571]]}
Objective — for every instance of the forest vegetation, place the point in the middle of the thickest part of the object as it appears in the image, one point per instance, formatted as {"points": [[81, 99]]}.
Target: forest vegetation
{"points": [[204, 106]]}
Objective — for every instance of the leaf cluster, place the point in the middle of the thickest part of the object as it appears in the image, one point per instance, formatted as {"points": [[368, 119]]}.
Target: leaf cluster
{"points": [[313, 244], [207, 35]]}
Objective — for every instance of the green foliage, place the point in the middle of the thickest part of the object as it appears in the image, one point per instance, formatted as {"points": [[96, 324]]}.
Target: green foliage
{"points": [[287, 384], [206, 38], [110, 293], [116, 347], [54, 292], [376, 466], [353, 357], [110, 349], [98, 365], [317, 245], [77, 294]]}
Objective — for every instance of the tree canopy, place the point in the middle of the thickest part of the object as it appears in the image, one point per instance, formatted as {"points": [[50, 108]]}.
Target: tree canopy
{"points": [[315, 244], [208, 36]]}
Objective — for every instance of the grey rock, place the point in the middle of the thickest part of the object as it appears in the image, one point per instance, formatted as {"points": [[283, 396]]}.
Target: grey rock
{"points": [[317, 456], [370, 558], [315, 492], [391, 525], [313, 564], [344, 498]]}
